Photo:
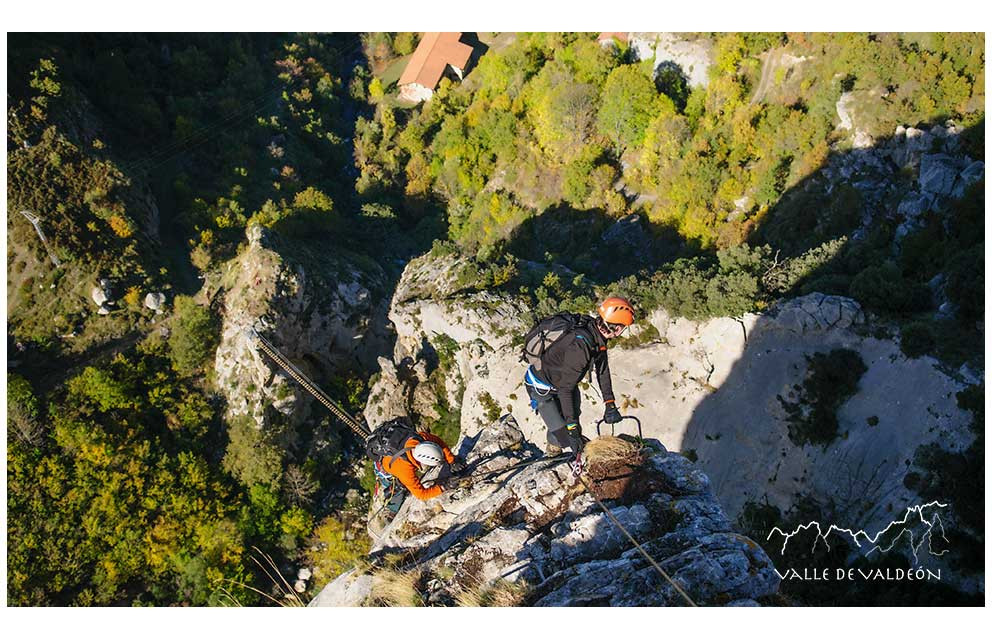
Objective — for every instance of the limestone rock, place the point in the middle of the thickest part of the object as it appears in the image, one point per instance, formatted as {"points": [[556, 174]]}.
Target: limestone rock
{"points": [[915, 203], [537, 527], [938, 173], [974, 173], [299, 309], [686, 386], [862, 139], [99, 296], [628, 234], [387, 396], [819, 311], [155, 301], [694, 57]]}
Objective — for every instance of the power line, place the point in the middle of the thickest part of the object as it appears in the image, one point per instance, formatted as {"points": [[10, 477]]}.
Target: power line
{"points": [[175, 148]]}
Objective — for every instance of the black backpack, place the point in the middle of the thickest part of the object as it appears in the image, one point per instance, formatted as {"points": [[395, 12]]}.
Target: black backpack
{"points": [[390, 439], [545, 333]]}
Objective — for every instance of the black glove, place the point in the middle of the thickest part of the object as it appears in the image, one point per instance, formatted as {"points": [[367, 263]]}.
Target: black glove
{"points": [[457, 467], [575, 432], [612, 414]]}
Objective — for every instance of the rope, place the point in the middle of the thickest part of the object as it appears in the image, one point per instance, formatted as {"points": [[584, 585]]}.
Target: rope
{"points": [[471, 479], [359, 428], [637, 545]]}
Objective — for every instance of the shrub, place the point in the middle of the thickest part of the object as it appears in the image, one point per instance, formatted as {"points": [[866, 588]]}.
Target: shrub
{"points": [[334, 550], [883, 289], [489, 406], [831, 379], [966, 283], [22, 411], [917, 339], [405, 42], [251, 457], [133, 297]]}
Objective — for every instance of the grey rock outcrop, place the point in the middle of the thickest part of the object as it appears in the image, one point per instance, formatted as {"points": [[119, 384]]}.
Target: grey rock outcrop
{"points": [[322, 312], [971, 175], [688, 385], [939, 172], [693, 56], [538, 528]]}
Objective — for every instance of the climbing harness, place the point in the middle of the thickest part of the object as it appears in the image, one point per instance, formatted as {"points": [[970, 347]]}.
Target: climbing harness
{"points": [[531, 379], [360, 428], [614, 426], [634, 541]]}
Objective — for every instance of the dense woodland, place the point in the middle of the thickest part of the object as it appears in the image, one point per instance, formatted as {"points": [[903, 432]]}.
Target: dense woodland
{"points": [[120, 480]]}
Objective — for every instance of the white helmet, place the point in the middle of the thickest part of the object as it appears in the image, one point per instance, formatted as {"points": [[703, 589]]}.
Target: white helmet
{"points": [[428, 454]]}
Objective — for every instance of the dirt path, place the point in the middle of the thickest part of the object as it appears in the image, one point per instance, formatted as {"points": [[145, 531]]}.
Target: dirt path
{"points": [[771, 63]]}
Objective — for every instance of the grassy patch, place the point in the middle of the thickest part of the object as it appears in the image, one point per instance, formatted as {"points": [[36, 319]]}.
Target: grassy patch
{"points": [[490, 406]]}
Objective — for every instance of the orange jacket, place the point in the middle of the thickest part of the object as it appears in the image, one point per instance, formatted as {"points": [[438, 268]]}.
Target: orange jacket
{"points": [[405, 467]]}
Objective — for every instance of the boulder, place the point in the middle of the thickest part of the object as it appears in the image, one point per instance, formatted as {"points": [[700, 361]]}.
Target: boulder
{"points": [[155, 301], [974, 173], [914, 204], [628, 234], [99, 296], [938, 173], [817, 311], [862, 139], [909, 144]]}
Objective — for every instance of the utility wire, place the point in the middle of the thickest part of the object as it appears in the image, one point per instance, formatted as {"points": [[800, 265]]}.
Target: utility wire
{"points": [[177, 148]]}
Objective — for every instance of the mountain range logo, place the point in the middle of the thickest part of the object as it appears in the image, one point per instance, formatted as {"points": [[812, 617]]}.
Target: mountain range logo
{"points": [[920, 524]]}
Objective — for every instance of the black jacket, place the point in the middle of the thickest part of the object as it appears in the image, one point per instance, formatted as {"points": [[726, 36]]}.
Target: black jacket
{"points": [[568, 360]]}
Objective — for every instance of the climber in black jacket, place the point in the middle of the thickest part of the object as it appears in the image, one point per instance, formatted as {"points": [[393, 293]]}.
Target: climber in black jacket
{"points": [[553, 387]]}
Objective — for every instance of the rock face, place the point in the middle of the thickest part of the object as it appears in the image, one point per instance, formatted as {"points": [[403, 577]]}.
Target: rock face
{"points": [[538, 529], [324, 317], [902, 177], [712, 389], [693, 57]]}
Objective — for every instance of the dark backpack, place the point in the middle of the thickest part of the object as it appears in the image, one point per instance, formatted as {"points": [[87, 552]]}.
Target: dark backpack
{"points": [[390, 439], [545, 333]]}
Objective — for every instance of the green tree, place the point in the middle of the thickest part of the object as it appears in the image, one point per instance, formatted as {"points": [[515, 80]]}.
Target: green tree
{"points": [[23, 419], [194, 336], [628, 103], [405, 42]]}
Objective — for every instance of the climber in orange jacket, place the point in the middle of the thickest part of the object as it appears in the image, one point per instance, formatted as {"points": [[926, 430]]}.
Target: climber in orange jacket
{"points": [[421, 455]]}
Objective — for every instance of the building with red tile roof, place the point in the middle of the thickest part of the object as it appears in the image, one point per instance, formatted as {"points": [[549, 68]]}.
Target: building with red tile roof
{"points": [[438, 53]]}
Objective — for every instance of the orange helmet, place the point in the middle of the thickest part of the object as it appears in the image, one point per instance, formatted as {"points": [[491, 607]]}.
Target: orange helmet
{"points": [[617, 311]]}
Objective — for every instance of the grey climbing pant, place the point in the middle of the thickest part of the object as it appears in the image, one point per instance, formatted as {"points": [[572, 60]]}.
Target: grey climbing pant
{"points": [[548, 407]]}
